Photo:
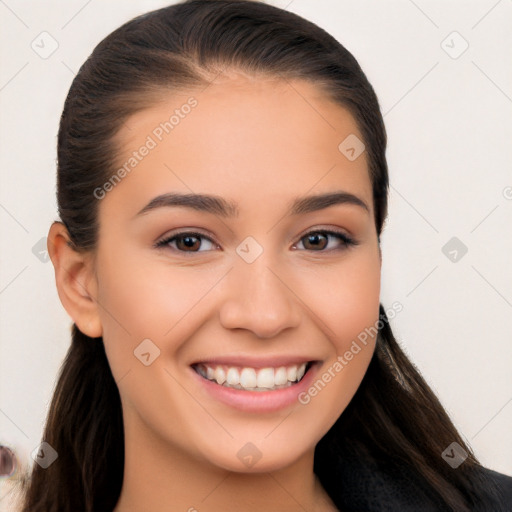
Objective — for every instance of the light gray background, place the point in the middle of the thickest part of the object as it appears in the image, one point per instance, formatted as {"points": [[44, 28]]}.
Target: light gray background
{"points": [[450, 131]]}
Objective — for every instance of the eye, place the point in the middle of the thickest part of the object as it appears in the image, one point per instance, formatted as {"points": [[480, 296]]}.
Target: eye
{"points": [[319, 240], [187, 242]]}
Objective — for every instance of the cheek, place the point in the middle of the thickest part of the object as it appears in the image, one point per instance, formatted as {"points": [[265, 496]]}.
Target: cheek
{"points": [[346, 297], [347, 307], [141, 301], [164, 305], [358, 301]]}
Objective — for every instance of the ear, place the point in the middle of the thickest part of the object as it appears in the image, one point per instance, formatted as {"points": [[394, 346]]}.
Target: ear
{"points": [[75, 279]]}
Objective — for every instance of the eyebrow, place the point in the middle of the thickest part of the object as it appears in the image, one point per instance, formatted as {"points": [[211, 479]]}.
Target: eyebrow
{"points": [[219, 206]]}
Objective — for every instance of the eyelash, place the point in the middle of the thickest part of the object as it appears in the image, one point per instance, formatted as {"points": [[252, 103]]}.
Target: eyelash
{"points": [[346, 241]]}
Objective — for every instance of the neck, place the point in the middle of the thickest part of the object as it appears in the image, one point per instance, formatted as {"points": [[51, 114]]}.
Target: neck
{"points": [[159, 477]]}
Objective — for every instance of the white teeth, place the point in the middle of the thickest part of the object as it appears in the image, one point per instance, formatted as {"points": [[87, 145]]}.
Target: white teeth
{"points": [[280, 376], [248, 378], [265, 378], [233, 377], [253, 379], [220, 375], [291, 373]]}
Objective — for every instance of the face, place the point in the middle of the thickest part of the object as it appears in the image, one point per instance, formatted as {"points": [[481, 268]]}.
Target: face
{"points": [[213, 308]]}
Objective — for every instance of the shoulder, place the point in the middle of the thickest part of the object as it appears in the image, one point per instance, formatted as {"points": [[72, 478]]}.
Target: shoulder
{"points": [[383, 487], [502, 486], [392, 487]]}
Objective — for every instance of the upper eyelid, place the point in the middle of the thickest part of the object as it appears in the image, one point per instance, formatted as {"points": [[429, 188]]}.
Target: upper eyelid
{"points": [[325, 229], [167, 238]]}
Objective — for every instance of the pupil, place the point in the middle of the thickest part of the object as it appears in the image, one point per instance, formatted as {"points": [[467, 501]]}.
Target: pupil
{"points": [[190, 241], [315, 239]]}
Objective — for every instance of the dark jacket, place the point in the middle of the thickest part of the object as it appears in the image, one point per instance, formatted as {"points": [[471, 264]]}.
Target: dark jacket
{"points": [[360, 488]]}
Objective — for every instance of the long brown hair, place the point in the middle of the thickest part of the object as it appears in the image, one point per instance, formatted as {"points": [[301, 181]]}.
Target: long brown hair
{"points": [[394, 426]]}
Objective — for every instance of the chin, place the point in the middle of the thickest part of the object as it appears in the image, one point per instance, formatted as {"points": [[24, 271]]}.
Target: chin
{"points": [[248, 454]]}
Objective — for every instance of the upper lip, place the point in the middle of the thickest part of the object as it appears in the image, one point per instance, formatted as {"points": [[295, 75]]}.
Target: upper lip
{"points": [[255, 362]]}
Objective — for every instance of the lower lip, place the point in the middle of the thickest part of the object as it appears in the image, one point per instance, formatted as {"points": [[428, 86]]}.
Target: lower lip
{"points": [[258, 401]]}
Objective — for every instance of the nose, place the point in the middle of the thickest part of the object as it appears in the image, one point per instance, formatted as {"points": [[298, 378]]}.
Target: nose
{"points": [[260, 300]]}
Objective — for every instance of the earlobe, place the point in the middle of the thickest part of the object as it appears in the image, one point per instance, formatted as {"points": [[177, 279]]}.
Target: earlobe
{"points": [[75, 280]]}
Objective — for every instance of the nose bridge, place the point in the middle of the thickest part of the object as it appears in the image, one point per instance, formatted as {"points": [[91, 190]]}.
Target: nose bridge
{"points": [[258, 298]]}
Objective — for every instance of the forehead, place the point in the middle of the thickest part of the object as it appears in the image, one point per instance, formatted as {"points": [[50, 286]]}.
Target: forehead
{"points": [[247, 139]]}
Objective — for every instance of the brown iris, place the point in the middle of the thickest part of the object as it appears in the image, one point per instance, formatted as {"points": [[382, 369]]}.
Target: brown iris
{"points": [[316, 240], [188, 242]]}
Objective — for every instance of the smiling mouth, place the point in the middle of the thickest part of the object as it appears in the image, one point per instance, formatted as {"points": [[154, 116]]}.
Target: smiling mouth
{"points": [[253, 379]]}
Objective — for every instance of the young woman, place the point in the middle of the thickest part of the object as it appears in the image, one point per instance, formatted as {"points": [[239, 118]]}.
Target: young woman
{"points": [[222, 187]]}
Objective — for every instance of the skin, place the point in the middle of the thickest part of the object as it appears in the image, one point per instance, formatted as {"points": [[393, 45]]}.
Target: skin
{"points": [[261, 144]]}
